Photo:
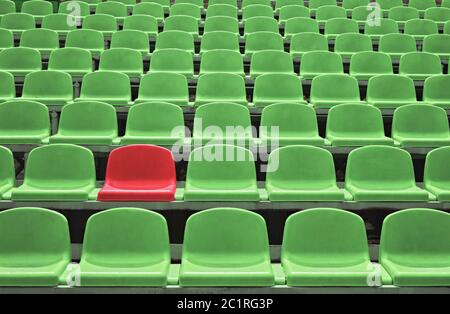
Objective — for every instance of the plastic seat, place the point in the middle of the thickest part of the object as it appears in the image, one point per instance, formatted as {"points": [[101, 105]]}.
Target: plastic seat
{"points": [[92, 3], [328, 12], [173, 60], [306, 42], [445, 4], [35, 247], [436, 91], [256, 10], [131, 243], [221, 10], [37, 8], [114, 8], [104, 23], [226, 247], [154, 123], [267, 61], [7, 6], [438, 44], [328, 90], [58, 22], [311, 256], [396, 45], [420, 126], [123, 60], [6, 38], [402, 14], [348, 44], [164, 3], [71, 7], [164, 86], [219, 40], [57, 172], [246, 3], [386, 26], [285, 124], [44, 40], [111, 87], [75, 61], [155, 10], [229, 2], [7, 172], [260, 24], [17, 22], [263, 41], [198, 3], [299, 25], [349, 5], [144, 23], [129, 3], [419, 28], [7, 87], [362, 14], [175, 39], [283, 3], [422, 5], [386, 5], [315, 63], [390, 91], [186, 9], [315, 4], [182, 23], [87, 123], [139, 173], [447, 28], [383, 174], [336, 26], [231, 177], [420, 65], [20, 61], [413, 249], [131, 39], [277, 88], [439, 15], [213, 121], [220, 87], [48, 87], [364, 65], [356, 125], [222, 24], [222, 61], [291, 11], [437, 173]]}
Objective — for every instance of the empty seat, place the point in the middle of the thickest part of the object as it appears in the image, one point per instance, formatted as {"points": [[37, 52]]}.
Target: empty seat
{"points": [[445, 4], [277, 88], [328, 12], [447, 28], [17, 22], [419, 28], [164, 86], [221, 61], [436, 176], [305, 42], [157, 123], [175, 39], [23, 122], [130, 243], [182, 23], [381, 27], [362, 14], [436, 91], [382, 173], [315, 4], [386, 5], [186, 9], [299, 25], [198, 3], [144, 23], [59, 23], [87, 123], [155, 10], [124, 60], [438, 44], [35, 247], [246, 3], [226, 247], [420, 126], [396, 45], [220, 87], [229, 2], [7, 87], [139, 173], [37, 8], [131, 39], [291, 11], [48, 87], [260, 24], [320, 62], [356, 125], [57, 172], [6, 38], [279, 4], [219, 40], [339, 25], [420, 65], [172, 60], [44, 40], [221, 10], [20, 60], [390, 91], [364, 65], [104, 23], [348, 44], [256, 10], [114, 8], [92, 3], [222, 24], [7, 6], [402, 14], [422, 5], [87, 39], [285, 124], [438, 15], [311, 256], [129, 3], [7, 172], [76, 8], [328, 90], [263, 41], [221, 173], [164, 3], [413, 249], [268, 61], [75, 61]]}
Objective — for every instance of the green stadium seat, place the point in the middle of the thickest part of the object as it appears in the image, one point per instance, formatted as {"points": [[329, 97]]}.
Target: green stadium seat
{"points": [[437, 173], [268, 61], [246, 3], [284, 124], [186, 9], [391, 91], [123, 60], [220, 87], [328, 12], [17, 22], [90, 40], [436, 91], [182, 23], [419, 28], [361, 15], [396, 45], [263, 41], [58, 22], [86, 123], [420, 65], [438, 15], [164, 86], [328, 90], [348, 44], [37, 8], [291, 11], [445, 3], [229, 2], [111, 87], [300, 25], [420, 125], [386, 26], [131, 39], [230, 178], [364, 65], [7, 172], [57, 172], [221, 10], [222, 24], [75, 61], [104, 23], [402, 14], [125, 247], [306, 42], [173, 60], [7, 6], [213, 122], [279, 4], [155, 10], [154, 123], [114, 8], [315, 4], [20, 61], [7, 86], [164, 3], [349, 5], [23, 122], [92, 3], [315, 63], [72, 7], [447, 28], [198, 3], [413, 249], [175, 39], [48, 87], [221, 61], [383, 174], [6, 38], [44, 40], [338, 26], [256, 10], [438, 44], [236, 252], [386, 5], [311, 256], [35, 246], [260, 24], [422, 5], [144, 23], [356, 125], [277, 88]]}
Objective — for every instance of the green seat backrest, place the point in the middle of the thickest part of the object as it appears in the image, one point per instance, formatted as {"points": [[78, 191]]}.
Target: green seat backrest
{"points": [[6, 38], [44, 84], [186, 9], [447, 28], [420, 63], [391, 87], [388, 4], [352, 43], [321, 62], [445, 3], [181, 23], [371, 62], [221, 10], [86, 39], [7, 171], [77, 8], [381, 27], [279, 4], [297, 25], [361, 14], [420, 27], [220, 40], [70, 59], [291, 11], [172, 60], [25, 117], [261, 24], [256, 10], [351, 4], [7, 6], [264, 41], [17, 21], [160, 85], [314, 4], [397, 43], [268, 61], [310, 239], [121, 60], [305, 42], [164, 3], [39, 38], [221, 60], [221, 87], [151, 9], [437, 14], [106, 84], [7, 85], [246, 3], [436, 89], [422, 4], [403, 14], [221, 23], [198, 3], [20, 58], [437, 171], [175, 39], [132, 39], [140, 22], [37, 8], [327, 12], [334, 87], [58, 22], [437, 43], [100, 22], [113, 8], [341, 26], [229, 2]]}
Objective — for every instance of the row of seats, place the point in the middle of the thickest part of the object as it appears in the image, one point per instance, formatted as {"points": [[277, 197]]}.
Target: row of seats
{"points": [[327, 90], [348, 125], [224, 247], [66, 172]]}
